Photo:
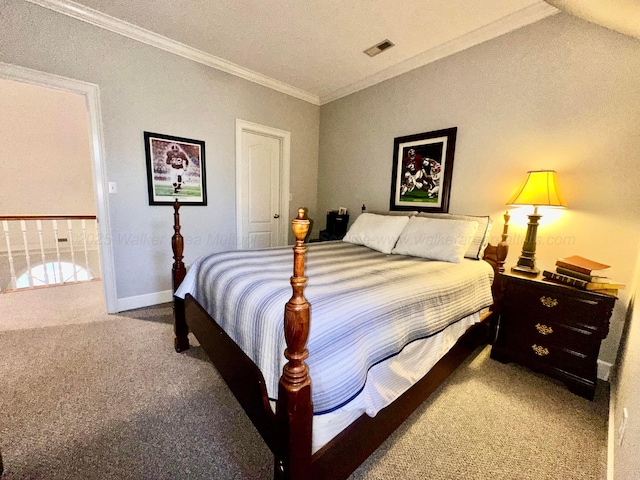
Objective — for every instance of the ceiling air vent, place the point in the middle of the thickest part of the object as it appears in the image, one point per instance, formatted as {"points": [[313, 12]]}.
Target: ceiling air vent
{"points": [[379, 48]]}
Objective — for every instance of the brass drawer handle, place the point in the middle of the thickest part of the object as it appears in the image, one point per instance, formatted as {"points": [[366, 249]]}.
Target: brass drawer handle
{"points": [[541, 351], [543, 329], [548, 301]]}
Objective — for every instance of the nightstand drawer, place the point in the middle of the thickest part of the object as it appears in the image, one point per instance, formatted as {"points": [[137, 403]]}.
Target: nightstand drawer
{"points": [[540, 329], [552, 306], [538, 354]]}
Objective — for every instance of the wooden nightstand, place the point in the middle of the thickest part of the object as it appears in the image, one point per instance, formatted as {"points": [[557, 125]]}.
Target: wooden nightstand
{"points": [[552, 329], [336, 226]]}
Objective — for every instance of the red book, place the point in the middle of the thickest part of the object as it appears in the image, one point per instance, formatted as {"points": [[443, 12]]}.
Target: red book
{"points": [[580, 264]]}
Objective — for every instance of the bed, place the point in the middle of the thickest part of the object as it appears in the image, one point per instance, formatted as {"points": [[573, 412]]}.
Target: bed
{"points": [[380, 341]]}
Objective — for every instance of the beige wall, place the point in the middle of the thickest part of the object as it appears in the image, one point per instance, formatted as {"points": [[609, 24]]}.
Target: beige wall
{"points": [[625, 392], [560, 94], [44, 152]]}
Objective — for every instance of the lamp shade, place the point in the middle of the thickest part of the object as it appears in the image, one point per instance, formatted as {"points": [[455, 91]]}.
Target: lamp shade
{"points": [[540, 188]]}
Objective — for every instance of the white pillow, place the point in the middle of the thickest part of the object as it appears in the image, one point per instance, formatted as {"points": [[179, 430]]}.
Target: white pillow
{"points": [[480, 239], [436, 239], [379, 232]]}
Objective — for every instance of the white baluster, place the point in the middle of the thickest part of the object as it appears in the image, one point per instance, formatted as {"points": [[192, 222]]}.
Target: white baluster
{"points": [[84, 241], [55, 235], [27, 258], [42, 254], [96, 236], [73, 256], [12, 270]]}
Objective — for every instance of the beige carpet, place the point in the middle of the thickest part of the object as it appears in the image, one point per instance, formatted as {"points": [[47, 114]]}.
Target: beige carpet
{"points": [[106, 397], [495, 421], [52, 306]]}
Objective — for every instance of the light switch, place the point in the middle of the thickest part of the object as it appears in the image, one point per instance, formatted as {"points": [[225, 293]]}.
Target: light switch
{"points": [[113, 187]]}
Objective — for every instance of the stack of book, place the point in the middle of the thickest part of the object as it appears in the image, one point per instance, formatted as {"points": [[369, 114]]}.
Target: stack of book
{"points": [[583, 273]]}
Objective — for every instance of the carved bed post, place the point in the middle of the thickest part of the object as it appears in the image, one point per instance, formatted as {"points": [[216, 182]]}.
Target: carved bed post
{"points": [[501, 252], [497, 256], [294, 410], [178, 271], [503, 246]]}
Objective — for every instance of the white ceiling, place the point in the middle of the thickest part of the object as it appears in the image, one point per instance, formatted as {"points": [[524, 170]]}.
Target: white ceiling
{"points": [[311, 49], [623, 16]]}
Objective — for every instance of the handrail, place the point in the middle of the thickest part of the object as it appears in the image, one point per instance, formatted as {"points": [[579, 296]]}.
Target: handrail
{"points": [[47, 217]]}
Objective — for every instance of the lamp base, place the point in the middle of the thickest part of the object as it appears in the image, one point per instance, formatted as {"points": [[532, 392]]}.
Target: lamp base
{"points": [[523, 269], [527, 260]]}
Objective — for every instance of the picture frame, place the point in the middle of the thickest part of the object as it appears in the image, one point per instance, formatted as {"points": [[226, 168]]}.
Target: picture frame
{"points": [[422, 169], [175, 170]]}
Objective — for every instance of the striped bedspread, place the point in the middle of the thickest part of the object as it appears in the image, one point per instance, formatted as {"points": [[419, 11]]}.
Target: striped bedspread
{"points": [[365, 307]]}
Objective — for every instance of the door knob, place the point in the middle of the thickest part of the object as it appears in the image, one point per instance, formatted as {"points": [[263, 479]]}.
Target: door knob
{"points": [[276, 215]]}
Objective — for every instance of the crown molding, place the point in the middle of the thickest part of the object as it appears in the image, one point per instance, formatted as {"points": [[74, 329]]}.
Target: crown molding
{"points": [[99, 19], [34, 77], [495, 29]]}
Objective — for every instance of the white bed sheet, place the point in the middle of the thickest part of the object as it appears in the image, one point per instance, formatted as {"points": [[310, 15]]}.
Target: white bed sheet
{"points": [[388, 380]]}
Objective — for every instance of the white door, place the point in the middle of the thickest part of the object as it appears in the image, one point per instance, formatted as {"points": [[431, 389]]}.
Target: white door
{"points": [[261, 188]]}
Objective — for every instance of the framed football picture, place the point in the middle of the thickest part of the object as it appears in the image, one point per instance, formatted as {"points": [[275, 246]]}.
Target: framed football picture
{"points": [[422, 168], [175, 170]]}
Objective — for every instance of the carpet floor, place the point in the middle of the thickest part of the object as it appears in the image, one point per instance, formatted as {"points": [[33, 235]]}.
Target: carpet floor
{"points": [[107, 397]]}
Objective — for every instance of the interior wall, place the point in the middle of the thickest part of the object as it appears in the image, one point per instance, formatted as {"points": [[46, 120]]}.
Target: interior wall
{"points": [[143, 88], [559, 94], [625, 391], [44, 140]]}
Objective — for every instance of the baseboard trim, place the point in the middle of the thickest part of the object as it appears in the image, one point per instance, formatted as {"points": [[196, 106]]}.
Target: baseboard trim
{"points": [[604, 370], [139, 301]]}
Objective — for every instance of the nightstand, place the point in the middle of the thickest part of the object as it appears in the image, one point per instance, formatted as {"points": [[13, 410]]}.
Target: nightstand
{"points": [[552, 329], [336, 226]]}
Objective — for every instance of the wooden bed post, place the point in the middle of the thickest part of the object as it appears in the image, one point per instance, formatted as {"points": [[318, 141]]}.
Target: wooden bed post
{"points": [[294, 410], [497, 255], [503, 246], [178, 271]]}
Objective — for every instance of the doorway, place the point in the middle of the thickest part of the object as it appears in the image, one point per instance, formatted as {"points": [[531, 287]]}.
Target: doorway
{"points": [[262, 185], [90, 94]]}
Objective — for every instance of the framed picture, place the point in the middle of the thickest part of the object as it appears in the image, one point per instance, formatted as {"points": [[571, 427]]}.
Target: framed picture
{"points": [[422, 168], [175, 170]]}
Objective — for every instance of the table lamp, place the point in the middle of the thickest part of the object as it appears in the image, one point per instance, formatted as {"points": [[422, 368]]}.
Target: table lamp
{"points": [[539, 189]]}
